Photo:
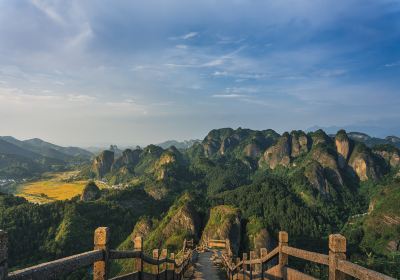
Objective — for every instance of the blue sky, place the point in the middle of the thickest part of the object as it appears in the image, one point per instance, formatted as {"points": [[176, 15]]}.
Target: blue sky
{"points": [[135, 72]]}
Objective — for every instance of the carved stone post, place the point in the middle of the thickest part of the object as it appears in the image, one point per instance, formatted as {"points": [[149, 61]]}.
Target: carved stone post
{"points": [[3, 255], [263, 253], [238, 269], [283, 258], [101, 240], [156, 268], [164, 255], [244, 266], [337, 251], [138, 246], [172, 265]]}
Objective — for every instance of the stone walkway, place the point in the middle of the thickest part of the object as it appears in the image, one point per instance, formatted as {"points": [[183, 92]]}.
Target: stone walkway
{"points": [[204, 268]]}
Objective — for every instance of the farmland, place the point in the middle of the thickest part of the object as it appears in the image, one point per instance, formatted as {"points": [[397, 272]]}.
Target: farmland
{"points": [[53, 186]]}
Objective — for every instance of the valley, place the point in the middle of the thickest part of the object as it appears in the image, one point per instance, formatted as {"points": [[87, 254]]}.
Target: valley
{"points": [[54, 186]]}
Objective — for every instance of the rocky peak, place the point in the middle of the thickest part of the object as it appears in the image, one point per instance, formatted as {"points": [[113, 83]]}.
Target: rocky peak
{"points": [[90, 192], [342, 143], [224, 223], [300, 143], [389, 153], [128, 158], [315, 174], [102, 163], [364, 163], [320, 137], [279, 154]]}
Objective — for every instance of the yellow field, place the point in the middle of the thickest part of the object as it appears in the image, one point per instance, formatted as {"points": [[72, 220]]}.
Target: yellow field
{"points": [[54, 186]]}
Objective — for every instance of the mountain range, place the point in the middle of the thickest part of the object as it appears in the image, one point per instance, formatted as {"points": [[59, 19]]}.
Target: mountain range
{"points": [[26, 158], [240, 184]]}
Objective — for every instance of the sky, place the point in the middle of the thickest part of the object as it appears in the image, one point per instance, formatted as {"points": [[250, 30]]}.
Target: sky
{"points": [[92, 73]]}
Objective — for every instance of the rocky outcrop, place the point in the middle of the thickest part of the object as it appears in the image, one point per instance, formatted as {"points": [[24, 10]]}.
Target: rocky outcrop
{"points": [[364, 164], [185, 219], [279, 154], [390, 154], [128, 159], [342, 143], [224, 223], [315, 174], [252, 151], [102, 163], [90, 192], [142, 228], [326, 157], [300, 143], [320, 137]]}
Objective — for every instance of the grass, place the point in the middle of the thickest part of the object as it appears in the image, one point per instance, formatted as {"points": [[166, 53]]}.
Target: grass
{"points": [[53, 186]]}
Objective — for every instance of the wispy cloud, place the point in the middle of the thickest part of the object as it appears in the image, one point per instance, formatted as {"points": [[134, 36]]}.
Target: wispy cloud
{"points": [[189, 35], [228, 95], [393, 64], [48, 11]]}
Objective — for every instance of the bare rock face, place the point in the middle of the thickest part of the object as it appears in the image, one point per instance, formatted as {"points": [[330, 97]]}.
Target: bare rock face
{"points": [[229, 143], [102, 163], [142, 228], [211, 148], [128, 159], [364, 163], [224, 223], [327, 159], [90, 192], [342, 143], [320, 137], [391, 156], [314, 172], [252, 150], [279, 154], [300, 143], [185, 219]]}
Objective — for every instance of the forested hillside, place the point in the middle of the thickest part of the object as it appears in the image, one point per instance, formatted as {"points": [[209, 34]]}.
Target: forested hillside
{"points": [[247, 185]]}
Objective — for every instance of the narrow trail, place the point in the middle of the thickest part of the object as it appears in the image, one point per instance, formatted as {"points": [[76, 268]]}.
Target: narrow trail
{"points": [[204, 268]]}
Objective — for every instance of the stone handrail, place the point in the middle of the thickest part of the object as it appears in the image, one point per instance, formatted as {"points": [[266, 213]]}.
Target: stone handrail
{"points": [[259, 267], [100, 258]]}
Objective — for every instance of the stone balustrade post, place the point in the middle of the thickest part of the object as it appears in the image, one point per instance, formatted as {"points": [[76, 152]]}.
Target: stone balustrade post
{"points": [[172, 265], [3, 255], [283, 258], [263, 267], [337, 251], [164, 255], [244, 266], [101, 242], [156, 268], [138, 246]]}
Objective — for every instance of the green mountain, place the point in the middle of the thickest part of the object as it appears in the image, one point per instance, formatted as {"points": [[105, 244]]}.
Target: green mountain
{"points": [[238, 183], [29, 158], [181, 145]]}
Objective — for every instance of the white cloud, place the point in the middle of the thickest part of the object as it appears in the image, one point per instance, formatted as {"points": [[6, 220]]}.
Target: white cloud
{"points": [[393, 64], [228, 95], [181, 47], [47, 10], [189, 35]]}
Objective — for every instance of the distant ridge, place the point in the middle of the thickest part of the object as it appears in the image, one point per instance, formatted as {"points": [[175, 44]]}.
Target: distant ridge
{"points": [[181, 145]]}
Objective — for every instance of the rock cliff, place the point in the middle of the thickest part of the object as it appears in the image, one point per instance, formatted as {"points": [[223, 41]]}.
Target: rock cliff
{"points": [[224, 223], [365, 164], [343, 146], [279, 154], [90, 192], [102, 163]]}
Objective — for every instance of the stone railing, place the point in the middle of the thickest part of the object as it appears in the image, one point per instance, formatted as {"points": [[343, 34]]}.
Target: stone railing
{"points": [[162, 266], [275, 265]]}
